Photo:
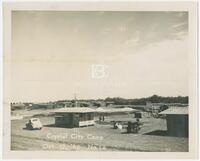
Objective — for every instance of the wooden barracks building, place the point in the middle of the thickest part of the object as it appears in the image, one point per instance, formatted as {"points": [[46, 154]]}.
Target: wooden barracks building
{"points": [[177, 121], [74, 117]]}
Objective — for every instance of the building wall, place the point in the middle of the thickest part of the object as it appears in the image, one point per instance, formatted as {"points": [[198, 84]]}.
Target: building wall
{"points": [[73, 119], [65, 120], [177, 125]]}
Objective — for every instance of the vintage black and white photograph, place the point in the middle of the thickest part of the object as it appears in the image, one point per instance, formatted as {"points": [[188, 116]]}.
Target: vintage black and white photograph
{"points": [[99, 81]]}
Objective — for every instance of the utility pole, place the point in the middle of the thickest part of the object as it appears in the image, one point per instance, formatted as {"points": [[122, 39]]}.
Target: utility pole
{"points": [[75, 100]]}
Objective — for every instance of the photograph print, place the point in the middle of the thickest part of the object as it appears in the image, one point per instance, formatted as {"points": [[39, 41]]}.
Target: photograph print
{"points": [[99, 81]]}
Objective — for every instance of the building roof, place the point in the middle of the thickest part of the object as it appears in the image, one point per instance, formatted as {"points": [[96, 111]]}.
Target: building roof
{"points": [[91, 110], [175, 111], [75, 110], [114, 110], [18, 104]]}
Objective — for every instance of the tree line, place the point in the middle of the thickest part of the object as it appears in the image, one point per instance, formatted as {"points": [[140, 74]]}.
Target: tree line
{"points": [[152, 99]]}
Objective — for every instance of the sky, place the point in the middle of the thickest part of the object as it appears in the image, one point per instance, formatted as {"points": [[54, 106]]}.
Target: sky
{"points": [[54, 54]]}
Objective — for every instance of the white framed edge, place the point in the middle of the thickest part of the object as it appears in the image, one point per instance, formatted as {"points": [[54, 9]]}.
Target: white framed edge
{"points": [[190, 6]]}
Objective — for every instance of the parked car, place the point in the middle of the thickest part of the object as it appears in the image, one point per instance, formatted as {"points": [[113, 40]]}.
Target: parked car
{"points": [[134, 127], [33, 124]]}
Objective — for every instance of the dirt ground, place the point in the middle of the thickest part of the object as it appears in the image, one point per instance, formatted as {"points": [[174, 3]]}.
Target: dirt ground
{"points": [[100, 137]]}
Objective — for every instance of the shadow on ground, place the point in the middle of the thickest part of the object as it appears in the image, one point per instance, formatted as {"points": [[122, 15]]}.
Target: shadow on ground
{"points": [[56, 126], [25, 128], [157, 133]]}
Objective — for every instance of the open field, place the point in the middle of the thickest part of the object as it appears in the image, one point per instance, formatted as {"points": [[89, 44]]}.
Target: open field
{"points": [[101, 137]]}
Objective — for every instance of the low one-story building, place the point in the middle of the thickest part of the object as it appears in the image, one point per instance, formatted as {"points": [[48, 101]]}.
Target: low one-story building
{"points": [[177, 121], [74, 117], [17, 106]]}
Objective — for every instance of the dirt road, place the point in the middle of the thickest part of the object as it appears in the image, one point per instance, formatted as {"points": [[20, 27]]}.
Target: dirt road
{"points": [[97, 138]]}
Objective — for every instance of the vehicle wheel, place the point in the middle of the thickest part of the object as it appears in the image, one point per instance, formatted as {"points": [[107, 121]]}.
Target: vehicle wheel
{"points": [[28, 127]]}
